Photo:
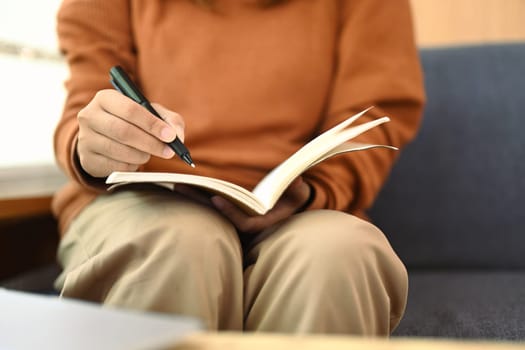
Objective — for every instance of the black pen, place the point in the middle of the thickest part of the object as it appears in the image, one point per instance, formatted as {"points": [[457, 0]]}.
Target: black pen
{"points": [[123, 83]]}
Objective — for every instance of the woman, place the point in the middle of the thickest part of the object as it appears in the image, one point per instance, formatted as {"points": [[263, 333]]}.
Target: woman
{"points": [[248, 82]]}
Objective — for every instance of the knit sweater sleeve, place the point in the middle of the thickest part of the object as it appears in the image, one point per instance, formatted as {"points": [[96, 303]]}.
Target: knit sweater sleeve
{"points": [[377, 65], [94, 35]]}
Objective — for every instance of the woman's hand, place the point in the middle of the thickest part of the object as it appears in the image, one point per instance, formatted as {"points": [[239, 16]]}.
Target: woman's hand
{"points": [[118, 134], [293, 199]]}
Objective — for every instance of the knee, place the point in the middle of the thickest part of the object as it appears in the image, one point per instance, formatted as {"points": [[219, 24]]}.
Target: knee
{"points": [[192, 237], [171, 254], [333, 241], [169, 240], [345, 264], [328, 235]]}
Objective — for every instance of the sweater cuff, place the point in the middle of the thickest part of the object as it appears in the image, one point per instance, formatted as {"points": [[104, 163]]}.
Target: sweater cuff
{"points": [[317, 198]]}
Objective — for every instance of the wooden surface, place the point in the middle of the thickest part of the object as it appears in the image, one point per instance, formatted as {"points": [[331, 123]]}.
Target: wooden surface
{"points": [[232, 341], [24, 207], [445, 22], [26, 190]]}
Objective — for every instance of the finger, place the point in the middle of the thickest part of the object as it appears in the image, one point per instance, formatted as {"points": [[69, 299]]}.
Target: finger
{"points": [[194, 193], [297, 193], [121, 131], [229, 210], [296, 184], [98, 165], [242, 221], [173, 119], [110, 148], [125, 108]]}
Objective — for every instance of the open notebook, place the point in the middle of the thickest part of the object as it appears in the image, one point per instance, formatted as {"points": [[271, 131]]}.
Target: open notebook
{"points": [[334, 141]]}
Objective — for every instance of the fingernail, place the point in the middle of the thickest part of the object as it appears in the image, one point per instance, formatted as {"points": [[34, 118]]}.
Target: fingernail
{"points": [[168, 134]]}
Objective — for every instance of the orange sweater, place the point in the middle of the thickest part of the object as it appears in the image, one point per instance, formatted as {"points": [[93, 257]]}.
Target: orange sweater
{"points": [[252, 84]]}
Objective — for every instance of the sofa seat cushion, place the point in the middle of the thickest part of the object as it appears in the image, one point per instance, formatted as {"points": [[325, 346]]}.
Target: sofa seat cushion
{"points": [[465, 304]]}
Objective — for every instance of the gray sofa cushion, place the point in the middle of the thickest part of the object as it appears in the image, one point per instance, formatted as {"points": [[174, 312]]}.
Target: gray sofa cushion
{"points": [[465, 304], [456, 197]]}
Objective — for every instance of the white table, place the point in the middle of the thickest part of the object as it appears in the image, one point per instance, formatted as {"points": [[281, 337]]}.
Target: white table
{"points": [[30, 321]]}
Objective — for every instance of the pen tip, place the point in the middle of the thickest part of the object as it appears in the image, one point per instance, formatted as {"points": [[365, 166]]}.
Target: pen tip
{"points": [[186, 158]]}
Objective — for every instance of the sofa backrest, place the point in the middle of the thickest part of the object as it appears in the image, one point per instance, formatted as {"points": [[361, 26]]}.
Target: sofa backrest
{"points": [[456, 196]]}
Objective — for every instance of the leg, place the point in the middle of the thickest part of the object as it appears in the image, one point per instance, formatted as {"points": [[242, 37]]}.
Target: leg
{"points": [[155, 251], [324, 271]]}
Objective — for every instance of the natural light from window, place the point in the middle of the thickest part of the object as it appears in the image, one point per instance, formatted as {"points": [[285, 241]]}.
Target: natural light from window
{"points": [[31, 84], [31, 80]]}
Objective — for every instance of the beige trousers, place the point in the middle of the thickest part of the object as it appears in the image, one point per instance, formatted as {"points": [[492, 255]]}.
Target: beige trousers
{"points": [[319, 271]]}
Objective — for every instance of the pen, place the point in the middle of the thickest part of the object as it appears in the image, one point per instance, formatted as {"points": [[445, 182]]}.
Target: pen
{"points": [[123, 83]]}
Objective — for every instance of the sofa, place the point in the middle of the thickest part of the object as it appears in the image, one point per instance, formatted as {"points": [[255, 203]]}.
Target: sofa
{"points": [[453, 207]]}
